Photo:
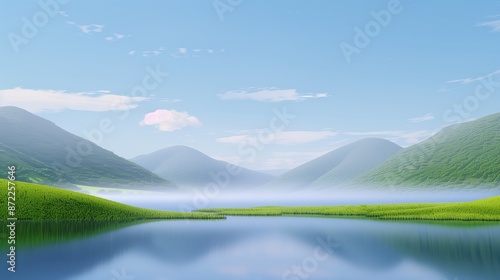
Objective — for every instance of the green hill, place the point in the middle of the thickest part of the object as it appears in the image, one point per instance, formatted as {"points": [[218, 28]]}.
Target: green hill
{"points": [[466, 154], [46, 154], [36, 202]]}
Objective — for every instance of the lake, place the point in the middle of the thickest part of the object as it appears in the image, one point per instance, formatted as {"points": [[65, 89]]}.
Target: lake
{"points": [[257, 248]]}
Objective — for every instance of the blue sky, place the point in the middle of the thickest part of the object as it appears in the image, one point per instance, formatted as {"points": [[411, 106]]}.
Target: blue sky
{"points": [[138, 76]]}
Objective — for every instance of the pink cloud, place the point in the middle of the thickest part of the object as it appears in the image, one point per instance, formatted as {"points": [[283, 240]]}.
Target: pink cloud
{"points": [[170, 120]]}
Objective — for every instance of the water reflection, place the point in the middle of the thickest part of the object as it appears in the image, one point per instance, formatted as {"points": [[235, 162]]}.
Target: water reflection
{"points": [[258, 248]]}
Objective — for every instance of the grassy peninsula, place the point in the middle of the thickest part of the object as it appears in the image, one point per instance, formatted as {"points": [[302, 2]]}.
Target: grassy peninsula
{"points": [[478, 210]]}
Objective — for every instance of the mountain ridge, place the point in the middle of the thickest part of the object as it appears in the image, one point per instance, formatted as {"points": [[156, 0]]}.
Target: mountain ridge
{"points": [[337, 167], [189, 167], [45, 153], [464, 154]]}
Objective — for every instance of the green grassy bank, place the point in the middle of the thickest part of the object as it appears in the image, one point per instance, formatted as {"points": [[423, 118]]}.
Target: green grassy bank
{"points": [[479, 210], [37, 202]]}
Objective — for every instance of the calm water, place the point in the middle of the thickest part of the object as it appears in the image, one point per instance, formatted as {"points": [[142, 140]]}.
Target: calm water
{"points": [[257, 248]]}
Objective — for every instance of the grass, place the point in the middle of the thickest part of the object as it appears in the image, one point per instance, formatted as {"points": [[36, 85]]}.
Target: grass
{"points": [[43, 203], [461, 155], [479, 210]]}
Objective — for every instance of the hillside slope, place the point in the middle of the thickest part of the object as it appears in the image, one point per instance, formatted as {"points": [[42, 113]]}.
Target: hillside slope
{"points": [[44, 153], [187, 167], [339, 166], [466, 154], [37, 202]]}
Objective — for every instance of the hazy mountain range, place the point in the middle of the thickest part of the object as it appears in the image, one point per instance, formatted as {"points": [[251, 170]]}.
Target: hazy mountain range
{"points": [[462, 155]]}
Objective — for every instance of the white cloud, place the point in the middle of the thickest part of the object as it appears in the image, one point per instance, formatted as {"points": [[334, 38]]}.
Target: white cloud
{"points": [[234, 139], [466, 81], [38, 100], [63, 13], [426, 117], [270, 95], [131, 52], [115, 37], [471, 80], [91, 28], [185, 52], [156, 52], [170, 120], [180, 52], [151, 53], [282, 138], [495, 25]]}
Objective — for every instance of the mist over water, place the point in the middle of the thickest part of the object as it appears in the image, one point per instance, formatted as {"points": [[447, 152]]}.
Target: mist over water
{"points": [[195, 199]]}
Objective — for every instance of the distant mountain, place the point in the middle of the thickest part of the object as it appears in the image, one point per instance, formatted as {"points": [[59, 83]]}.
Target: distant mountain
{"points": [[274, 172], [337, 167], [45, 153], [187, 167], [466, 154]]}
